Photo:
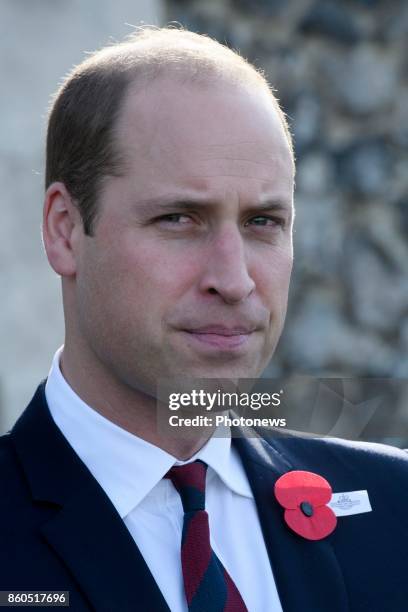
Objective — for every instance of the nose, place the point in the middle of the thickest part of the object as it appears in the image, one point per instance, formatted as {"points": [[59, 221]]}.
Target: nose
{"points": [[225, 269]]}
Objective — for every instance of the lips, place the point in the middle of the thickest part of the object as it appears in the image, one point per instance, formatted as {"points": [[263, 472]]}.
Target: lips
{"points": [[221, 337], [220, 330]]}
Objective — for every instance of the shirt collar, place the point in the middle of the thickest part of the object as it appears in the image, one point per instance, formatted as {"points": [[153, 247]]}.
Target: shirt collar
{"points": [[126, 466]]}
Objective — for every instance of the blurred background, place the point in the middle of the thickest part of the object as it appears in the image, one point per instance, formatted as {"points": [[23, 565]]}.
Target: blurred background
{"points": [[341, 73]]}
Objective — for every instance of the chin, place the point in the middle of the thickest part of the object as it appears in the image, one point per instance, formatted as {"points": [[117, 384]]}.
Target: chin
{"points": [[226, 371]]}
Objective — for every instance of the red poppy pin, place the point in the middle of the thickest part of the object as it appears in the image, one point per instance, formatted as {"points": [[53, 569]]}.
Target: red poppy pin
{"points": [[304, 496]]}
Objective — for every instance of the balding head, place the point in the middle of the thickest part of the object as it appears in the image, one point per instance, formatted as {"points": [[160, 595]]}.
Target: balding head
{"points": [[82, 148]]}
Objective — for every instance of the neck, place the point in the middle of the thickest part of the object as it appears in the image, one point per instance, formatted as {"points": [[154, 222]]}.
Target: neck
{"points": [[130, 409]]}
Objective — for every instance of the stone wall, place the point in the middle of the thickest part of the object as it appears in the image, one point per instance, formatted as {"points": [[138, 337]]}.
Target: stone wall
{"points": [[39, 42], [341, 72]]}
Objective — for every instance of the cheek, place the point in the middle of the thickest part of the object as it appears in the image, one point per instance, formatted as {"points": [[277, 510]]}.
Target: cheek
{"points": [[152, 275], [273, 277]]}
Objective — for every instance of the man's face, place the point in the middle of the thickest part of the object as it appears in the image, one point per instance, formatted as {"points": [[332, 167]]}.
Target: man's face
{"points": [[188, 269]]}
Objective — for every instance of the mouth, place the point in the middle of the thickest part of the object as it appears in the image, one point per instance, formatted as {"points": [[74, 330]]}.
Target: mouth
{"points": [[221, 338]]}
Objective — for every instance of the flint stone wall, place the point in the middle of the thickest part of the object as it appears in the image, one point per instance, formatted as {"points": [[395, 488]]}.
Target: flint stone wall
{"points": [[341, 72]]}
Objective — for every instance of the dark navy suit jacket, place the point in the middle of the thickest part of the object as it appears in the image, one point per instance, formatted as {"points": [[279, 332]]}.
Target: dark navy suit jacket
{"points": [[59, 530]]}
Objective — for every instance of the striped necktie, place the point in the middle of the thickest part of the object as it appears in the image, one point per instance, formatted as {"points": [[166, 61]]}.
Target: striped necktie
{"points": [[207, 584]]}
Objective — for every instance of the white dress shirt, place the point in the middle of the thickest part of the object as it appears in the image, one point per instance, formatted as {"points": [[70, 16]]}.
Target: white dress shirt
{"points": [[130, 471]]}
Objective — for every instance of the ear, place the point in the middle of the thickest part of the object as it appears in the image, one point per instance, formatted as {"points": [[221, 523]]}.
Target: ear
{"points": [[62, 224]]}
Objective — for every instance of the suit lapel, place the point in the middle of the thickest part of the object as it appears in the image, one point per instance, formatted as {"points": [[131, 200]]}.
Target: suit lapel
{"points": [[86, 532], [307, 574], [89, 536]]}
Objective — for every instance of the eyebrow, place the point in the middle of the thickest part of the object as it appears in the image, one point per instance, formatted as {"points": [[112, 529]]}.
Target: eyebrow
{"points": [[165, 204]]}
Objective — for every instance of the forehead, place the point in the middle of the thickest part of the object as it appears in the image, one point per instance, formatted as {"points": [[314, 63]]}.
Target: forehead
{"points": [[181, 132]]}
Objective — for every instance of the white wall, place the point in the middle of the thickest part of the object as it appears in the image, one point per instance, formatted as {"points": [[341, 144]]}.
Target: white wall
{"points": [[39, 42]]}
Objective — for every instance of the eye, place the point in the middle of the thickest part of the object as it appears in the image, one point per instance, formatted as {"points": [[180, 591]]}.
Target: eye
{"points": [[175, 219], [267, 221]]}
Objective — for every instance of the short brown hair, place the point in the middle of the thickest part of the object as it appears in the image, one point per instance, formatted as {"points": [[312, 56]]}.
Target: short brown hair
{"points": [[81, 148]]}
